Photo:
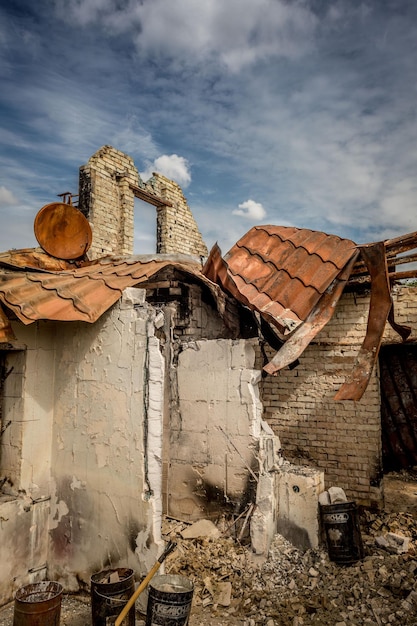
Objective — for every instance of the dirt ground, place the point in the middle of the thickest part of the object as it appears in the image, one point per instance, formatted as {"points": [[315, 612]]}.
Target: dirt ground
{"points": [[292, 588]]}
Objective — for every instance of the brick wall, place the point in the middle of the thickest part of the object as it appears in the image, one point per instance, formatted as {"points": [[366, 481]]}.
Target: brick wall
{"points": [[106, 198], [107, 201], [341, 438], [177, 230]]}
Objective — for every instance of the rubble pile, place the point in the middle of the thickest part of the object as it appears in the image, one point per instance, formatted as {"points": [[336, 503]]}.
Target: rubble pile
{"points": [[295, 588]]}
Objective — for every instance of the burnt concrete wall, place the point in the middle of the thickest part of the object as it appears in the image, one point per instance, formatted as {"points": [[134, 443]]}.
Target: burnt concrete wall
{"points": [[26, 458], [106, 501], [341, 438], [83, 452], [215, 429]]}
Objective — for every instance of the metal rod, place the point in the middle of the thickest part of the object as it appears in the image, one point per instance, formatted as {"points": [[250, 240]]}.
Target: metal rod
{"points": [[254, 476]]}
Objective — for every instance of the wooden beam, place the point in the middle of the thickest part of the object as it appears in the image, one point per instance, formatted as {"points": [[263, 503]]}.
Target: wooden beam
{"points": [[138, 192]]}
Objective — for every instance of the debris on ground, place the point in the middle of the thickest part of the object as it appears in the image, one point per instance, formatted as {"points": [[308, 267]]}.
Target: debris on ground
{"points": [[235, 587], [295, 588]]}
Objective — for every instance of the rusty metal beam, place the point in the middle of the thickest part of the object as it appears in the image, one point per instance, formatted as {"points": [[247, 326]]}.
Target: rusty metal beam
{"points": [[380, 306]]}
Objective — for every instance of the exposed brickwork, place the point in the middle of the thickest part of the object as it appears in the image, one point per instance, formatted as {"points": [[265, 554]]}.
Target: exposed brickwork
{"points": [[341, 438], [108, 202], [107, 199], [177, 230]]}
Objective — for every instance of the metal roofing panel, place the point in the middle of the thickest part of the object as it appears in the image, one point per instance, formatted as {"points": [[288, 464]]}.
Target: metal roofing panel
{"points": [[293, 277], [82, 293], [284, 271]]}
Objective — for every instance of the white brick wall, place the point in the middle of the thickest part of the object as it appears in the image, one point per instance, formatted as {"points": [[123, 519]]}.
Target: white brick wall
{"points": [[341, 438]]}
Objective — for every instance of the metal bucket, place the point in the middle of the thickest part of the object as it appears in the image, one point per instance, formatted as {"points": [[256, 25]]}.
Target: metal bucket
{"points": [[342, 532], [169, 601], [109, 598], [38, 604]]}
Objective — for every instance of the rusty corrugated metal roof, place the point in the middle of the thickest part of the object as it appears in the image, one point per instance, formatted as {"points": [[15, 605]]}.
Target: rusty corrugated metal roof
{"points": [[292, 277], [82, 292], [281, 271]]}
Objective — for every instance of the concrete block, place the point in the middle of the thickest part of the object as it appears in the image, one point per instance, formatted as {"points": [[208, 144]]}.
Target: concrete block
{"points": [[132, 296], [392, 542], [190, 447], [336, 495], [196, 415], [263, 520], [298, 495]]}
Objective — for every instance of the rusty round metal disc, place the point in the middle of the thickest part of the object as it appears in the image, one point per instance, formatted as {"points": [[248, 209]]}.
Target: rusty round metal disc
{"points": [[62, 231]]}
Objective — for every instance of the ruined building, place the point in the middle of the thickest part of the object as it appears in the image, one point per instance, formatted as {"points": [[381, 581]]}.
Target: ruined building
{"points": [[189, 383]]}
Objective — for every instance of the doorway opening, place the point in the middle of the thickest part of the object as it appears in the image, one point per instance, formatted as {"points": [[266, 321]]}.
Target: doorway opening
{"points": [[398, 383]]}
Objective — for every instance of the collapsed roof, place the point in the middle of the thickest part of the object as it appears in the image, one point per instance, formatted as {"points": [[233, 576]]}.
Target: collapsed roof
{"points": [[290, 278]]}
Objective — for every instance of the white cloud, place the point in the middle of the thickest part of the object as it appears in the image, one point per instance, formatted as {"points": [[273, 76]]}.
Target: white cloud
{"points": [[7, 198], [306, 107], [250, 210], [237, 33], [172, 166]]}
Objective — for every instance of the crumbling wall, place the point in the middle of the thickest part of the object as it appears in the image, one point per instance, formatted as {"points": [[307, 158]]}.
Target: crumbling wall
{"points": [[106, 199], [177, 230], [108, 184], [341, 438], [214, 431], [83, 451], [106, 497], [26, 459], [223, 457]]}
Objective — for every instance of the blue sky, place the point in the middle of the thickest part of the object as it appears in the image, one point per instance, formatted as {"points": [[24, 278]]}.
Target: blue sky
{"points": [[288, 112]]}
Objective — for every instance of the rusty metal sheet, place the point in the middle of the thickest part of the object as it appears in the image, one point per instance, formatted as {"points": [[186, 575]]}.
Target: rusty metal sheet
{"points": [[401, 329], [280, 271], [6, 332], [295, 345], [85, 293], [32, 258], [380, 305]]}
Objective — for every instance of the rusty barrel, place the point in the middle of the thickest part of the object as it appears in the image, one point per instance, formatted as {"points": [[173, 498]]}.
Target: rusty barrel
{"points": [[108, 599], [169, 600], [38, 604], [343, 536]]}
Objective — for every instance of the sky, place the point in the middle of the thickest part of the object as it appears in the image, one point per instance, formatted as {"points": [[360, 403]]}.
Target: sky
{"points": [[287, 112]]}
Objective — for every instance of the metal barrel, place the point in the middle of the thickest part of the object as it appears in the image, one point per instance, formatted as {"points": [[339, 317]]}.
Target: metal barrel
{"points": [[169, 601], [342, 531], [38, 604], [109, 598]]}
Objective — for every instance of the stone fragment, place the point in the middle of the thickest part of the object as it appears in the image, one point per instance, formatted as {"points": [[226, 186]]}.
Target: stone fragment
{"points": [[223, 594], [410, 602], [396, 544], [201, 528], [313, 572], [324, 498], [336, 495]]}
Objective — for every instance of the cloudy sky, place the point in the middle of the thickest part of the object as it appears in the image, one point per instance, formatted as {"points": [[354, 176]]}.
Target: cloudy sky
{"points": [[288, 112]]}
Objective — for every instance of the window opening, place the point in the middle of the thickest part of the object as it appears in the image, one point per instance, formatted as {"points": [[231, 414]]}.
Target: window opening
{"points": [[144, 241]]}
